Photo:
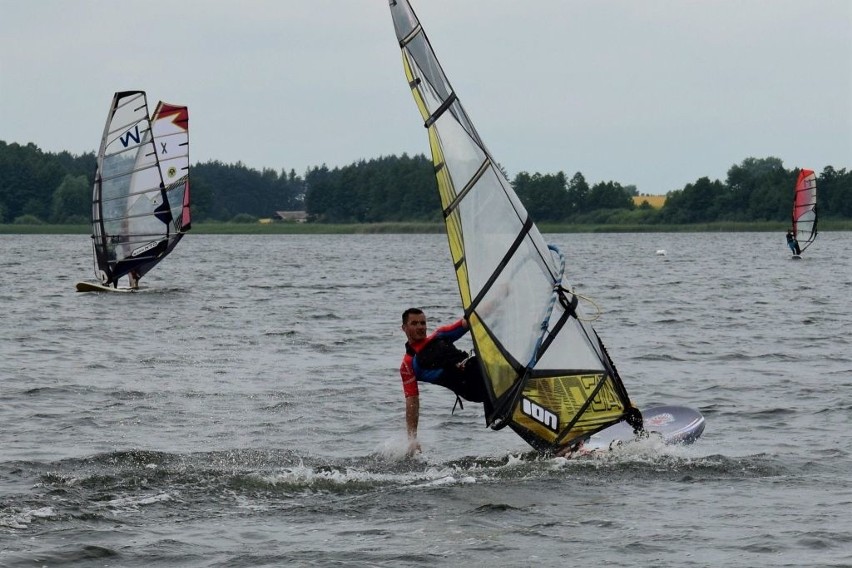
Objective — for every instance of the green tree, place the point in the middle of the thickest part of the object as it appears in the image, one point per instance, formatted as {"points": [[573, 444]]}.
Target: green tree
{"points": [[28, 178], [384, 189], [221, 191], [72, 201], [578, 194], [27, 219], [696, 203], [609, 195], [759, 189], [544, 196], [834, 193], [38, 185]]}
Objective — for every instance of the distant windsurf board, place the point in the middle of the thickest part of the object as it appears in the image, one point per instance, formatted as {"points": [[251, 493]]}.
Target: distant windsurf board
{"points": [[96, 287]]}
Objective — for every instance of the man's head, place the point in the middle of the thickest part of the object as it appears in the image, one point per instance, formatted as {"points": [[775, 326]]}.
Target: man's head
{"points": [[414, 324]]}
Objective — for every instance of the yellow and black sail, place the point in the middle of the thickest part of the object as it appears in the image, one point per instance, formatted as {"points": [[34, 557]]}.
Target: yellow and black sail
{"points": [[549, 376]]}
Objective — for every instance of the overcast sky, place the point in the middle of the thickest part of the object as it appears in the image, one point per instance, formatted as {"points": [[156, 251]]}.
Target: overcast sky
{"points": [[656, 93]]}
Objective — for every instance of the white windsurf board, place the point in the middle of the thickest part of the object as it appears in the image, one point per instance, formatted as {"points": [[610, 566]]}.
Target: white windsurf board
{"points": [[98, 287], [674, 424]]}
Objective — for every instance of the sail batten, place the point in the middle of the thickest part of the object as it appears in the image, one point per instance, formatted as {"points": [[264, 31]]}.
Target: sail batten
{"points": [[547, 377], [468, 186]]}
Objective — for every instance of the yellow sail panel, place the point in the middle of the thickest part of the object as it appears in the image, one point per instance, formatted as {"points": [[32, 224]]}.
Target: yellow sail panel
{"points": [[453, 220], [548, 405], [498, 369], [418, 97]]}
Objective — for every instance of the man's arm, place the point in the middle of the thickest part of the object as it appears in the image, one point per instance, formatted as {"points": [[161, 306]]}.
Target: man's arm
{"points": [[412, 417], [451, 332], [412, 404]]}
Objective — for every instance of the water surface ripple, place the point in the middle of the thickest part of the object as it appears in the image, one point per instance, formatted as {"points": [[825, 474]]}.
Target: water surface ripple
{"points": [[246, 410]]}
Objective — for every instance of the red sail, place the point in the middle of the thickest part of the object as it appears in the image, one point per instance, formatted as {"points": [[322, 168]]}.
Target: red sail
{"points": [[805, 209]]}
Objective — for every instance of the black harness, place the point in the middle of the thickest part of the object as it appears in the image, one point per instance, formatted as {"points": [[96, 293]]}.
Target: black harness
{"points": [[464, 380], [437, 354]]}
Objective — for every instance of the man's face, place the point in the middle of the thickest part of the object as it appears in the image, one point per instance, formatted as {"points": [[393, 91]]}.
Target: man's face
{"points": [[415, 327]]}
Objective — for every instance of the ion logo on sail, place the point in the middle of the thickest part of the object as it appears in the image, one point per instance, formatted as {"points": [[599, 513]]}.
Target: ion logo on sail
{"points": [[539, 414]]}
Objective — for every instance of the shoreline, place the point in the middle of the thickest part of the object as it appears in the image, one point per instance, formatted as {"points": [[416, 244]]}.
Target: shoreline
{"points": [[215, 228]]}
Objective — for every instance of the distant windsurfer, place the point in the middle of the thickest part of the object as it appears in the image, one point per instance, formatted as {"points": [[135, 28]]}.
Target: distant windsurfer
{"points": [[793, 243], [434, 359]]}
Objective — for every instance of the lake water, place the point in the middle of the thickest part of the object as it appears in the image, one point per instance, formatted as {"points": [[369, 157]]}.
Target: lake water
{"points": [[246, 410]]}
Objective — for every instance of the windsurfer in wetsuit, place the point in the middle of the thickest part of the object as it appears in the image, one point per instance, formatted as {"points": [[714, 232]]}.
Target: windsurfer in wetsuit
{"points": [[793, 243], [434, 359]]}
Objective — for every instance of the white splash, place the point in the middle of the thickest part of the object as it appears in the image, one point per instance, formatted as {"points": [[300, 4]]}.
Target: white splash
{"points": [[20, 520]]}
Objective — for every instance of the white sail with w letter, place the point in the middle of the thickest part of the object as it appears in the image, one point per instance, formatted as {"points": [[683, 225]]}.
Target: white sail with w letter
{"points": [[140, 200]]}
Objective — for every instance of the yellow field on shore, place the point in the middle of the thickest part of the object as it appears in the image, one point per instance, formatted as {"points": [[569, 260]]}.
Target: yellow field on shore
{"points": [[655, 201]]}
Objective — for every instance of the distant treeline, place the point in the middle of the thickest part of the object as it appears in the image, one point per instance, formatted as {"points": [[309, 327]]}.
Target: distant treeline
{"points": [[37, 186]]}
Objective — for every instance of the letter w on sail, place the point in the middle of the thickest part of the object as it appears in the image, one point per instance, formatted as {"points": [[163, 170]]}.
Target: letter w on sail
{"points": [[130, 135]]}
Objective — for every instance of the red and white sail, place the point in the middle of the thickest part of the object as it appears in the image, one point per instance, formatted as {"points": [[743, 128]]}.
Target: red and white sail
{"points": [[805, 209], [140, 201]]}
